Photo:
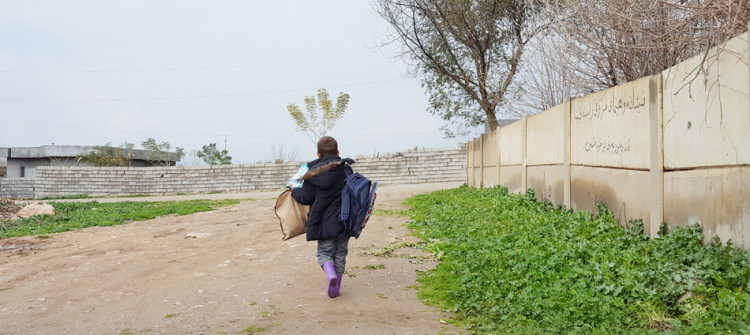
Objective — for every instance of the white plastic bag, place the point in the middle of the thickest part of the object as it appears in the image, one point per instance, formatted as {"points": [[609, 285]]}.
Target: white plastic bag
{"points": [[295, 180]]}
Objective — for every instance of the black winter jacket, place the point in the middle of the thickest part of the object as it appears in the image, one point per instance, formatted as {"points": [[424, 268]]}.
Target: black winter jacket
{"points": [[323, 193]]}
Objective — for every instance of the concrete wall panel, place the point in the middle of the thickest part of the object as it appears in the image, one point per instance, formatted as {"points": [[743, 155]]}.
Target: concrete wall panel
{"points": [[718, 199], [511, 141], [608, 127], [510, 177], [477, 177], [548, 182], [490, 149], [708, 125], [471, 153], [545, 137], [471, 178], [491, 177], [624, 192], [476, 152]]}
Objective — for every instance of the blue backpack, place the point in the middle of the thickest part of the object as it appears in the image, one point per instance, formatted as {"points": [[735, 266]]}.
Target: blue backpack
{"points": [[357, 199]]}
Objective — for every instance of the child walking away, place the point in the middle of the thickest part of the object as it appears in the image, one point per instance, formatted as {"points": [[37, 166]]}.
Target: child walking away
{"points": [[321, 190]]}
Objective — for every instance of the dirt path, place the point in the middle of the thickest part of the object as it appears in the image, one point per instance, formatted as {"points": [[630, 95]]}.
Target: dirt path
{"points": [[218, 272]]}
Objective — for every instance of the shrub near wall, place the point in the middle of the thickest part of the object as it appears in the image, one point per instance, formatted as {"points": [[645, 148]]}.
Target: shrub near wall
{"points": [[409, 167]]}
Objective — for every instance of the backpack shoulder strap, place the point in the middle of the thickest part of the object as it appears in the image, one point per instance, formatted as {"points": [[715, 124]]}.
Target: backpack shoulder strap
{"points": [[345, 192]]}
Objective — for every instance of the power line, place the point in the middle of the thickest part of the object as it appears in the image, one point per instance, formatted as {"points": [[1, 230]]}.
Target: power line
{"points": [[190, 68], [204, 134], [198, 96], [135, 131]]}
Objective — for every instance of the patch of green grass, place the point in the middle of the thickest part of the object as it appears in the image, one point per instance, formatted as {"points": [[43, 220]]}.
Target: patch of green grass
{"points": [[253, 330], [512, 265], [388, 251], [70, 216], [169, 316], [399, 213], [374, 266], [381, 295], [67, 197], [86, 196]]}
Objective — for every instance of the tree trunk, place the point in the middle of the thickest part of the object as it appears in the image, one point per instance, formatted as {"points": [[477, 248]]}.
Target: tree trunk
{"points": [[491, 119]]}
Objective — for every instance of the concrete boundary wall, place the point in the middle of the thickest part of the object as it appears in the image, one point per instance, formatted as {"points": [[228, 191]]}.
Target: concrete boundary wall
{"points": [[409, 167], [660, 149], [17, 187]]}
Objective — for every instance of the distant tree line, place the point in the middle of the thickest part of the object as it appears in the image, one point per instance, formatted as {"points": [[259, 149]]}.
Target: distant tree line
{"points": [[156, 153]]}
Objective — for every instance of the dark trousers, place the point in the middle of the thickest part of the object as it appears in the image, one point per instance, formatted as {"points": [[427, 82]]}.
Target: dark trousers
{"points": [[334, 250]]}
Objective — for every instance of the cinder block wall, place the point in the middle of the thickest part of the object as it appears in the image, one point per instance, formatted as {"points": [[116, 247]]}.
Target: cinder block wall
{"points": [[415, 166], [16, 188], [409, 167]]}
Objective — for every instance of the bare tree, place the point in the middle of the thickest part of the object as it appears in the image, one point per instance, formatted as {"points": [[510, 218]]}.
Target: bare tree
{"points": [[619, 41], [283, 154], [547, 76], [191, 159], [467, 52], [592, 45]]}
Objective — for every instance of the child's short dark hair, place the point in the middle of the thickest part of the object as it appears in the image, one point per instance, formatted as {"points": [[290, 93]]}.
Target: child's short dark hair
{"points": [[328, 146]]}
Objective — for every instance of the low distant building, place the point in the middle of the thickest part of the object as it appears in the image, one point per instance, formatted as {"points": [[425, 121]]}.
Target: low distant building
{"points": [[22, 162]]}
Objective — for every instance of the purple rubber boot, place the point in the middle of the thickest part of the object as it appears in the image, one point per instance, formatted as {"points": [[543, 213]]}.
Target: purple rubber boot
{"points": [[338, 284], [333, 288]]}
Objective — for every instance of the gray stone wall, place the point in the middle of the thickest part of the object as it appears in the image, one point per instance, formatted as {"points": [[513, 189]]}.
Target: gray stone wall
{"points": [[409, 167], [415, 166], [17, 187]]}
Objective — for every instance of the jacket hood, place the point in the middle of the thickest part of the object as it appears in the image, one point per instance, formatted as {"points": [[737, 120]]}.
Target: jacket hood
{"points": [[330, 178]]}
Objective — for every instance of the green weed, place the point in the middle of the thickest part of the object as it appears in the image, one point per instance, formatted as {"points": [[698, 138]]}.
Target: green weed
{"points": [[71, 216], [400, 213], [67, 197], [374, 266], [513, 265], [253, 330]]}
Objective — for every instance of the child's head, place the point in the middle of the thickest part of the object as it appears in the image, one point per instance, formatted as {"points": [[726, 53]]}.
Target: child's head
{"points": [[327, 146]]}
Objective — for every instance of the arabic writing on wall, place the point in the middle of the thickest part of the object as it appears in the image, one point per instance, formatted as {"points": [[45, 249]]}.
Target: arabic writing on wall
{"points": [[602, 109], [607, 145]]}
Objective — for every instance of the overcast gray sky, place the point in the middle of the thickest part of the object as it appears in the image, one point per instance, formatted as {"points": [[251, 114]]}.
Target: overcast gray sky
{"points": [[91, 72]]}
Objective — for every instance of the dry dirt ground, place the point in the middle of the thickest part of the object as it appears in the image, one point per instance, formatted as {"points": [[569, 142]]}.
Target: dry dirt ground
{"points": [[220, 272]]}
